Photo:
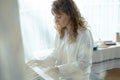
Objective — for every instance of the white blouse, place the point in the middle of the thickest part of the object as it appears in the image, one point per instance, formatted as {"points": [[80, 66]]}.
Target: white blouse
{"points": [[74, 60]]}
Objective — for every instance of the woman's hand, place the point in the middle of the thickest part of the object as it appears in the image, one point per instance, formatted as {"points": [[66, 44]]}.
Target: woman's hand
{"points": [[53, 72], [33, 63]]}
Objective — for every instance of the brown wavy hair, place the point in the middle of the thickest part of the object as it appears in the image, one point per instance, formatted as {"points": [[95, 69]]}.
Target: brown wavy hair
{"points": [[77, 21]]}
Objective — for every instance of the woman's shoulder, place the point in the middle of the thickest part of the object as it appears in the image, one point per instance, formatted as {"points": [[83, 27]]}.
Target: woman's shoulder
{"points": [[85, 35], [84, 31]]}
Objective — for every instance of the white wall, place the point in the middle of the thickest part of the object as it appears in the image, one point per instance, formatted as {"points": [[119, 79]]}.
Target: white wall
{"points": [[11, 51]]}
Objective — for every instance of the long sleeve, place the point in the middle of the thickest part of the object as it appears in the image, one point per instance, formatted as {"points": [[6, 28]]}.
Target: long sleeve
{"points": [[82, 52], [52, 58]]}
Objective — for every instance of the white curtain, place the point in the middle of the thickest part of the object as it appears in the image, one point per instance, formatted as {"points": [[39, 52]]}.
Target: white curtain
{"points": [[11, 48], [102, 16], [37, 22], [37, 25]]}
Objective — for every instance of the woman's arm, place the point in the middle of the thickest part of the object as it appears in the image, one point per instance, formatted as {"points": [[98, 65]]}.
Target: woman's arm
{"points": [[82, 64]]}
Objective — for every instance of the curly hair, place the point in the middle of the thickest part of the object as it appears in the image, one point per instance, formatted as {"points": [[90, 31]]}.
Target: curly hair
{"points": [[77, 21]]}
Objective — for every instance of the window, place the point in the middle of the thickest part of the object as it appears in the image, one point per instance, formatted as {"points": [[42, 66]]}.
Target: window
{"points": [[102, 16]]}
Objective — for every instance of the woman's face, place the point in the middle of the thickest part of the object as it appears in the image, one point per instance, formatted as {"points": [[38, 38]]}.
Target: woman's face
{"points": [[62, 19]]}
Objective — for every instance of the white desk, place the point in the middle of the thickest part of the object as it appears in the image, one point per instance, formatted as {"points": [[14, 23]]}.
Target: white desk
{"points": [[106, 58]]}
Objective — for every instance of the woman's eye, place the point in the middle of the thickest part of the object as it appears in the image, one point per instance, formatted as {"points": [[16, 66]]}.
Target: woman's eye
{"points": [[59, 17]]}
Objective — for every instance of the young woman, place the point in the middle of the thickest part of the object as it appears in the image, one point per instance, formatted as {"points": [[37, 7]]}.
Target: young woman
{"points": [[72, 56]]}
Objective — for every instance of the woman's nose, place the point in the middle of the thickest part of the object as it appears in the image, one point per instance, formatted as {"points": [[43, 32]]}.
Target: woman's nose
{"points": [[56, 20]]}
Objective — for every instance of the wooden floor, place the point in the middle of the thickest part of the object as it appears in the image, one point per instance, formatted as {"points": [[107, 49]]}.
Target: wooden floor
{"points": [[113, 74]]}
